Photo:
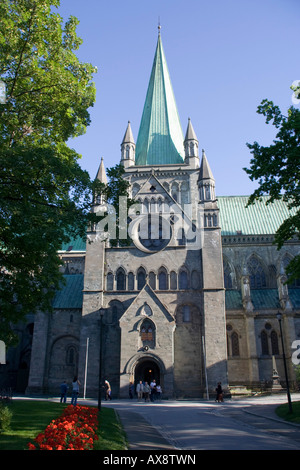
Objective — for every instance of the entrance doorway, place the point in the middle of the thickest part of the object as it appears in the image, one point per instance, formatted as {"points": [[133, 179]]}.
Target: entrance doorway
{"points": [[147, 370]]}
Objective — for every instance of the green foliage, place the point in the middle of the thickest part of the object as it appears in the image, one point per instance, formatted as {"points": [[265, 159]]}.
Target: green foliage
{"points": [[48, 89], [277, 170], [45, 196], [111, 434], [5, 418]]}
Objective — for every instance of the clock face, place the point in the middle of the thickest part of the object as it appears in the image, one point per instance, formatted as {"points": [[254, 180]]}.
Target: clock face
{"points": [[151, 232]]}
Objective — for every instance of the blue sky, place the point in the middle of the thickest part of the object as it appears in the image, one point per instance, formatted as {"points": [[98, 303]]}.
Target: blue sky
{"points": [[224, 58]]}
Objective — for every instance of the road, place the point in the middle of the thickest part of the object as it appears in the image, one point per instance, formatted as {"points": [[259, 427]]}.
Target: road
{"points": [[243, 424]]}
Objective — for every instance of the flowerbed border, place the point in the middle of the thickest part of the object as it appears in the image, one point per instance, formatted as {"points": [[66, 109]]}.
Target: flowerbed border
{"points": [[75, 429]]}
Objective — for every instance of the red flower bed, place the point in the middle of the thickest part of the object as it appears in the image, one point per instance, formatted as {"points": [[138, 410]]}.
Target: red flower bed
{"points": [[75, 429]]}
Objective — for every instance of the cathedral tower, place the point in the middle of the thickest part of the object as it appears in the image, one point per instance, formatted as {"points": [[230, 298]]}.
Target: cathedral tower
{"points": [[162, 297]]}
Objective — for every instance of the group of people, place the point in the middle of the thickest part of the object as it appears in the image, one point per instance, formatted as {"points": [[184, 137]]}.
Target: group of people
{"points": [[75, 391], [64, 391], [145, 391]]}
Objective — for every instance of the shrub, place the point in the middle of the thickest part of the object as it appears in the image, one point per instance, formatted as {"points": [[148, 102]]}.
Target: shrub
{"points": [[5, 417]]}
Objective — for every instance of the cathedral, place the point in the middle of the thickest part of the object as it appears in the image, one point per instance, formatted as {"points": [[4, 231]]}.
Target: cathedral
{"points": [[191, 301]]}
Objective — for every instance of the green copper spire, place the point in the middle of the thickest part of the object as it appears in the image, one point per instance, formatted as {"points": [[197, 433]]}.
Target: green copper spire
{"points": [[160, 138]]}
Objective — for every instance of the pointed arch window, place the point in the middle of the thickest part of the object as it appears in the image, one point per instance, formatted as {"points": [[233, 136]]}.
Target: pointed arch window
{"points": [[256, 273], [130, 281], [235, 348], [227, 276], [141, 278], [110, 281], [186, 314], [183, 280], [162, 279], [148, 333], [274, 343], [152, 280], [121, 279], [173, 280], [264, 343]]}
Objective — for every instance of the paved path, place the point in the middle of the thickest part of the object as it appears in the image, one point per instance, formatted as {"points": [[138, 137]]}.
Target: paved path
{"points": [[243, 424]]}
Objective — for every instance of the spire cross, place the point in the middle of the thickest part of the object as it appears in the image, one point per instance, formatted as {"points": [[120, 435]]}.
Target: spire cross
{"points": [[159, 26]]}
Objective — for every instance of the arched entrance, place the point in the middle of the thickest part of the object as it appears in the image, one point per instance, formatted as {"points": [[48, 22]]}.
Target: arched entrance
{"points": [[147, 370]]}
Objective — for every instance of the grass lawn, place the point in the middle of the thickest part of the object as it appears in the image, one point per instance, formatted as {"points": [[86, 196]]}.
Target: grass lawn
{"points": [[31, 417], [283, 412]]}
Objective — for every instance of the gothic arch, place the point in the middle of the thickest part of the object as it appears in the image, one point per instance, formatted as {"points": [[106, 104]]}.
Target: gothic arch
{"points": [[183, 278], [163, 278], [229, 274], [63, 362], [257, 271], [138, 358], [141, 276], [121, 279]]}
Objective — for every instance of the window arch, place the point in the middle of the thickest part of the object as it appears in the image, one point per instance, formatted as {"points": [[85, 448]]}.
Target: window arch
{"points": [[110, 281], [274, 343], [256, 273], [235, 348], [141, 278], [186, 314], [162, 279], [152, 280], [121, 279], [227, 276], [175, 191], [233, 345], [173, 280], [130, 281], [183, 280], [72, 356], [148, 333], [264, 343]]}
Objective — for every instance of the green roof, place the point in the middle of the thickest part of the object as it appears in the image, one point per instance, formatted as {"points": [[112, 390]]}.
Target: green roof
{"points": [[160, 138], [261, 299], [257, 219], [70, 295], [76, 244]]}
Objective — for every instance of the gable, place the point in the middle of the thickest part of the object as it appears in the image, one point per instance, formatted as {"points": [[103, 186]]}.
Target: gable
{"points": [[147, 304]]}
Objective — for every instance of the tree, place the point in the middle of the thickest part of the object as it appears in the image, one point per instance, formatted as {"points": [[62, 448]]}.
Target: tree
{"points": [[277, 170], [45, 197]]}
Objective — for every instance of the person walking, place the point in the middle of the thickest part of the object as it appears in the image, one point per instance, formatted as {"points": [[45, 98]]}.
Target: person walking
{"points": [[107, 390], [153, 390], [131, 390], [219, 390], [140, 390], [147, 392], [75, 391], [158, 392], [63, 392]]}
